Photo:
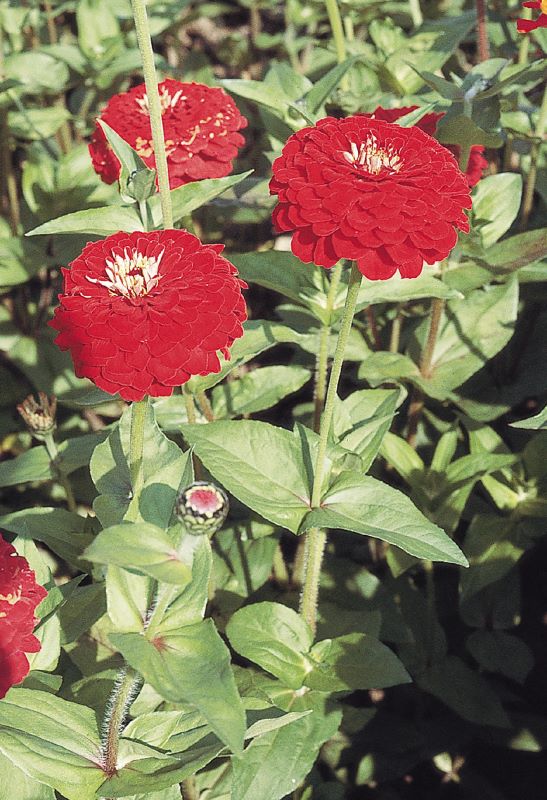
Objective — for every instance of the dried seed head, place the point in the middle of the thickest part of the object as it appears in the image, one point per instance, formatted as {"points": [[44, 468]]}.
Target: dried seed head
{"points": [[39, 416]]}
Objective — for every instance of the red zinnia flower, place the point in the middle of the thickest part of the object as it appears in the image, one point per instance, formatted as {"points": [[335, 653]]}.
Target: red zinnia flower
{"points": [[428, 123], [143, 312], [19, 596], [200, 124], [387, 197], [527, 25]]}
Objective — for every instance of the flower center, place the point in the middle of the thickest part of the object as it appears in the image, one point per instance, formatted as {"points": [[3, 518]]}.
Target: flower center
{"points": [[12, 598], [373, 158], [167, 100], [131, 275]]}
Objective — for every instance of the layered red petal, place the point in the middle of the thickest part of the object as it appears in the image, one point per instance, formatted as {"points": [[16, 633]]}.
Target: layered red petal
{"points": [[366, 189], [148, 340], [19, 597], [201, 126]]}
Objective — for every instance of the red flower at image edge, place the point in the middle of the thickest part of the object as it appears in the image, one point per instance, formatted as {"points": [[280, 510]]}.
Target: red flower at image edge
{"points": [[385, 196], [428, 123], [19, 596], [527, 25], [200, 124], [143, 312]]}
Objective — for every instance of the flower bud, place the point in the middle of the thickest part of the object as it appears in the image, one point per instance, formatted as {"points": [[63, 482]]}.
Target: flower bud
{"points": [[39, 416], [202, 507]]}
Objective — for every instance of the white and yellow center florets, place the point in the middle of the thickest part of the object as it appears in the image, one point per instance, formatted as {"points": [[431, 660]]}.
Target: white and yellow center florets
{"points": [[131, 275], [371, 157], [167, 100]]}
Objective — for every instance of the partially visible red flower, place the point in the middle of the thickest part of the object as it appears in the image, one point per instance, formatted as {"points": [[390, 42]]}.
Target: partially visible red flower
{"points": [[143, 312], [19, 596], [428, 123], [200, 124], [527, 25], [385, 196]]}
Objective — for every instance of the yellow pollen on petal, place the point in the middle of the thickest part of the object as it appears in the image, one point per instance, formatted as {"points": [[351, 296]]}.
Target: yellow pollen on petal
{"points": [[131, 275], [372, 158], [167, 101], [143, 147], [12, 598], [543, 6]]}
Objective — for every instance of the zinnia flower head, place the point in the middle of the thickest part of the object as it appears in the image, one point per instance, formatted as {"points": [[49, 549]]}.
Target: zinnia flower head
{"points": [[19, 596], [200, 125], [428, 123], [385, 196], [527, 25], [143, 312]]}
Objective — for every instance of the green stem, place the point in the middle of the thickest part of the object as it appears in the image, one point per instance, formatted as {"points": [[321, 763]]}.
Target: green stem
{"points": [[136, 444], [164, 598], [53, 452], [337, 29], [415, 12], [430, 600], [205, 406], [316, 538], [525, 13], [189, 789], [323, 352], [483, 46], [396, 326], [156, 123], [528, 199], [426, 361], [190, 407], [116, 711]]}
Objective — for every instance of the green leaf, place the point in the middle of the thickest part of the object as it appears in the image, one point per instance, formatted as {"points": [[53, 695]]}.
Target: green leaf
{"points": [[261, 465], [63, 531], [36, 72], [142, 548], [20, 260], [274, 637], [458, 128], [465, 692], [445, 88], [399, 290], [517, 251], [165, 466], [96, 221], [285, 273], [428, 49], [496, 203], [257, 390], [98, 27], [354, 661], [365, 505], [259, 335], [33, 465], [316, 97], [535, 423], [275, 764], [497, 651], [471, 332], [180, 665], [21, 785], [35, 124], [53, 741], [369, 414], [136, 180], [188, 198]]}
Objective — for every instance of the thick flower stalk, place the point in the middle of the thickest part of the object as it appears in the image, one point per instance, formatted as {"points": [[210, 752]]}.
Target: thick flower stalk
{"points": [[382, 195], [200, 124], [527, 25], [19, 597], [428, 124], [143, 312]]}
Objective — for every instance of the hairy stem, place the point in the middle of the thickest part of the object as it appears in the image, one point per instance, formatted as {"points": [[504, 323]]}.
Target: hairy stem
{"points": [[337, 29], [205, 406], [426, 362], [483, 47], [316, 539], [122, 695], [323, 352], [528, 199], [151, 80]]}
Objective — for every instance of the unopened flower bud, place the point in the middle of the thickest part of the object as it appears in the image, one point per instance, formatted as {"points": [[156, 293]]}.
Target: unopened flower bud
{"points": [[39, 416], [202, 507]]}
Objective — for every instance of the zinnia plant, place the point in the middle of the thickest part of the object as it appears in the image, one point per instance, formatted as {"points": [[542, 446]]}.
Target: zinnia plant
{"points": [[363, 189], [200, 124], [143, 312], [19, 596]]}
